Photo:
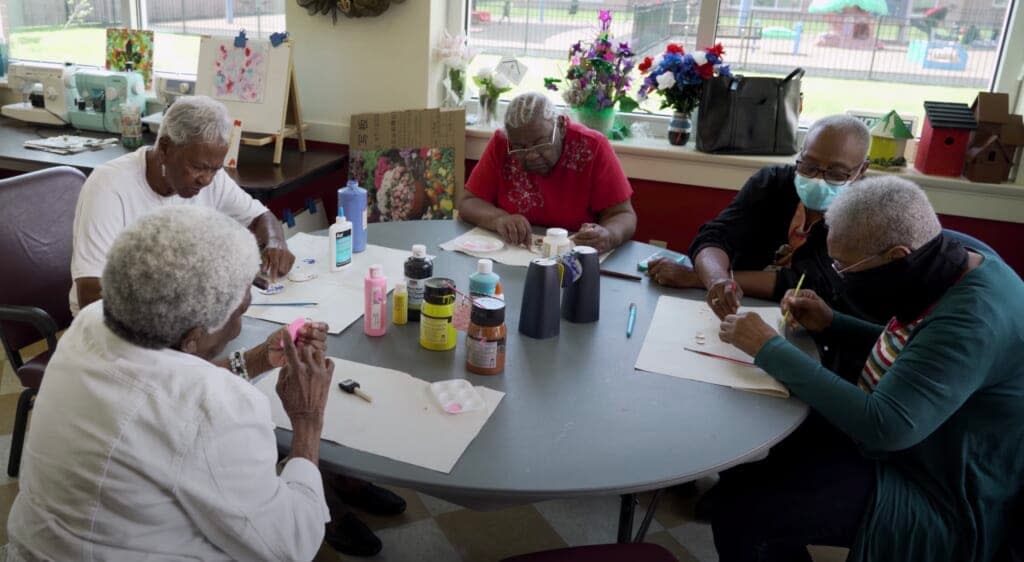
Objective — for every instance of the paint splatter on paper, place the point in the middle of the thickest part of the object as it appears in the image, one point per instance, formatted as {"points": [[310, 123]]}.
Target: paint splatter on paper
{"points": [[240, 72], [134, 46]]}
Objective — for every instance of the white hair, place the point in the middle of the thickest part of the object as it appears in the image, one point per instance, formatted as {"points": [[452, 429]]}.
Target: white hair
{"points": [[181, 267], [195, 119], [528, 108], [882, 212], [847, 126]]}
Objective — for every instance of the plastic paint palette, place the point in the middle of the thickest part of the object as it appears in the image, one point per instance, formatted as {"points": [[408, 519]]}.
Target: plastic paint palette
{"points": [[480, 244], [457, 396], [272, 289]]}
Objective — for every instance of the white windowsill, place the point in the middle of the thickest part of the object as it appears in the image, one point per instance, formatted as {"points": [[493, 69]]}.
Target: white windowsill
{"points": [[653, 158]]}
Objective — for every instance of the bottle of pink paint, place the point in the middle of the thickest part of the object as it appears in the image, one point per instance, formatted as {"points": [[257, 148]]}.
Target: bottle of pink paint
{"points": [[375, 302]]}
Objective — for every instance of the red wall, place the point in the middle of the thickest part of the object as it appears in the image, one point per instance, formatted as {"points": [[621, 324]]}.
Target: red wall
{"points": [[673, 213]]}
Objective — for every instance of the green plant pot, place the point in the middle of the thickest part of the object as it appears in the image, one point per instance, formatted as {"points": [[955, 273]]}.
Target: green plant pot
{"points": [[600, 120]]}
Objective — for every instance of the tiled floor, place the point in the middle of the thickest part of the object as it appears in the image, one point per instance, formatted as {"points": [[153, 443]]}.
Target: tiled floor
{"points": [[433, 530]]}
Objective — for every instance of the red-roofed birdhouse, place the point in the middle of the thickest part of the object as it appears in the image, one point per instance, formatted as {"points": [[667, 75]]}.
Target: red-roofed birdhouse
{"points": [[947, 128]]}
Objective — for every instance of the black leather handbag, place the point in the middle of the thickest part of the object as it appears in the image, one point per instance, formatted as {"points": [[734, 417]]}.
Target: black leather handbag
{"points": [[755, 115]]}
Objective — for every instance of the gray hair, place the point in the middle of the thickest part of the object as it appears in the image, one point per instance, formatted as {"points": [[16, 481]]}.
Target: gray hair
{"points": [[882, 212], [195, 119], [528, 108], [178, 268], [847, 126]]}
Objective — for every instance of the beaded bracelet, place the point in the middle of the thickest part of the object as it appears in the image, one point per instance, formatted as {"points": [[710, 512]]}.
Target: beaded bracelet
{"points": [[236, 362]]}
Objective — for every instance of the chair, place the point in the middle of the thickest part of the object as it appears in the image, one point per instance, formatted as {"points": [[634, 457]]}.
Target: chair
{"points": [[633, 552], [37, 211]]}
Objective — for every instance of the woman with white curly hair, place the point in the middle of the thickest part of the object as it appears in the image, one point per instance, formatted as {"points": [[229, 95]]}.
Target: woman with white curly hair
{"points": [[184, 168], [140, 446], [935, 462]]}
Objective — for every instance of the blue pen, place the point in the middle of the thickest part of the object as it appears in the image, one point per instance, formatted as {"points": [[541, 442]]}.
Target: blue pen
{"points": [[632, 320]]}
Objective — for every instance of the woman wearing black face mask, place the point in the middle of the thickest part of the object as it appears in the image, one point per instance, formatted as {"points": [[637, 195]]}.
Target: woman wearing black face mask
{"points": [[938, 412]]}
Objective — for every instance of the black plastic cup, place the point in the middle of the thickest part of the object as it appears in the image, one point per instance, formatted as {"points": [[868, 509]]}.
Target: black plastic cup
{"points": [[581, 302], [538, 312]]}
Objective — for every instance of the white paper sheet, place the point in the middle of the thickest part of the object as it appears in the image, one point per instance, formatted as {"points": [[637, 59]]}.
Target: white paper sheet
{"points": [[676, 325], [338, 294], [508, 255], [404, 422]]}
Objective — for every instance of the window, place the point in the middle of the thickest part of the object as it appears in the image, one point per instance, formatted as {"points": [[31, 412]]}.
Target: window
{"points": [[177, 25], [75, 30], [918, 50], [59, 30], [876, 61]]}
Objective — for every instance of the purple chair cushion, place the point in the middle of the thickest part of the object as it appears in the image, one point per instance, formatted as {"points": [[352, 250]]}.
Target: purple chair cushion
{"points": [[31, 373]]}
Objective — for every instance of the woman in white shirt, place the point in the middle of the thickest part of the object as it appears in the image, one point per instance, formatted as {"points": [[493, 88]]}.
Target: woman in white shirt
{"points": [[140, 447]]}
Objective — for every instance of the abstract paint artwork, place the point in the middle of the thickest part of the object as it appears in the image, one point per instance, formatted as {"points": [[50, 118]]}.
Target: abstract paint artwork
{"points": [[134, 46], [240, 72]]}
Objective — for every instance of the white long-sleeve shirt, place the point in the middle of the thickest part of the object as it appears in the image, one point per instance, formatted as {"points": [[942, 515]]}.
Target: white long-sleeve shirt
{"points": [[135, 453]]}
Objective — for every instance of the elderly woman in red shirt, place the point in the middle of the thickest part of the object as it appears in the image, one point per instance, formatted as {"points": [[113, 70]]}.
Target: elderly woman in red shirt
{"points": [[545, 170]]}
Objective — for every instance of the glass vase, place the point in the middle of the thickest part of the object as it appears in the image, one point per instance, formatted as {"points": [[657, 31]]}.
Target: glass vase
{"points": [[600, 120], [679, 128], [487, 113], [454, 87]]}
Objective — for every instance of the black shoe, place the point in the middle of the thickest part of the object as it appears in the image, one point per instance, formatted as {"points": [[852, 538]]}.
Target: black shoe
{"points": [[371, 499], [348, 535]]}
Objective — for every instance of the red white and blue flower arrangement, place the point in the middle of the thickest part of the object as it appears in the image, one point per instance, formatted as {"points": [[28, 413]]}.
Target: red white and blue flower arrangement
{"points": [[679, 76]]}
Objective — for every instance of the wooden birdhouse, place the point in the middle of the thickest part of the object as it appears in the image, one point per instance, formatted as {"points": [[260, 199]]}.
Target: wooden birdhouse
{"points": [[991, 111], [947, 128], [989, 162], [1012, 137], [889, 142]]}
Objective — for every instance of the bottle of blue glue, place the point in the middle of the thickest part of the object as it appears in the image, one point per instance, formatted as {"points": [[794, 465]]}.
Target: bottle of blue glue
{"points": [[484, 283], [352, 198]]}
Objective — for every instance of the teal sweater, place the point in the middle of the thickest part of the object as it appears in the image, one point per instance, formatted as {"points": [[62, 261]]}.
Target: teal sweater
{"points": [[946, 421]]}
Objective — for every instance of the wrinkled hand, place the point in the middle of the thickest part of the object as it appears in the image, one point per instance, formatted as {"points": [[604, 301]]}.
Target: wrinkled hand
{"points": [[277, 261], [304, 382], [806, 309], [595, 236], [513, 229], [311, 333], [724, 297], [746, 331], [667, 272]]}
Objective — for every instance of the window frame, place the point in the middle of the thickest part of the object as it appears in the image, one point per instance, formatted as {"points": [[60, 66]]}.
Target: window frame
{"points": [[1008, 76]]}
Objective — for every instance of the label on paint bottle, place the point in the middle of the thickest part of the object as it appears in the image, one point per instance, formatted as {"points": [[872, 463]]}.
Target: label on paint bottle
{"points": [[376, 311], [342, 248], [415, 288]]}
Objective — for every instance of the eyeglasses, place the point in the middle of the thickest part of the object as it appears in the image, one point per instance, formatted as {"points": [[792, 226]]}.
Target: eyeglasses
{"points": [[535, 149], [841, 271], [832, 176]]}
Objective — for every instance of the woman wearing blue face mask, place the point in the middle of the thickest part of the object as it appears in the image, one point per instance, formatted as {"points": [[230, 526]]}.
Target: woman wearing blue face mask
{"points": [[773, 233]]}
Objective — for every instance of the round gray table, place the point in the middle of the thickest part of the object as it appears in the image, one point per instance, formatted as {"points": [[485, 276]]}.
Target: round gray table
{"points": [[576, 419]]}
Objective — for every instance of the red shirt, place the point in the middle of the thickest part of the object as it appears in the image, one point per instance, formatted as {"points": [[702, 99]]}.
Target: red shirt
{"points": [[586, 180]]}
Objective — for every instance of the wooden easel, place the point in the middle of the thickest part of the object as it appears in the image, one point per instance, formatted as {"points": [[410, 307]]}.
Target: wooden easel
{"points": [[293, 125], [275, 118]]}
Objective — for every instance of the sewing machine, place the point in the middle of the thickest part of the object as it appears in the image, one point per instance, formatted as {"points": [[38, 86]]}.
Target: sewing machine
{"points": [[101, 93], [47, 90], [169, 87]]}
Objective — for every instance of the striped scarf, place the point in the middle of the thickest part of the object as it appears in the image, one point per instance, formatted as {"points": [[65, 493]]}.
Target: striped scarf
{"points": [[890, 343]]}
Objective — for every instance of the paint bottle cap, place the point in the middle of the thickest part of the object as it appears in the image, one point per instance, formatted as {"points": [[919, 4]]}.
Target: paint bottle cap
{"points": [[419, 251], [484, 266], [376, 271]]}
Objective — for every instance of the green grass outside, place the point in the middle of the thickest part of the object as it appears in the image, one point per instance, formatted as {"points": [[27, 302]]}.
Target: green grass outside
{"points": [[87, 46]]}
